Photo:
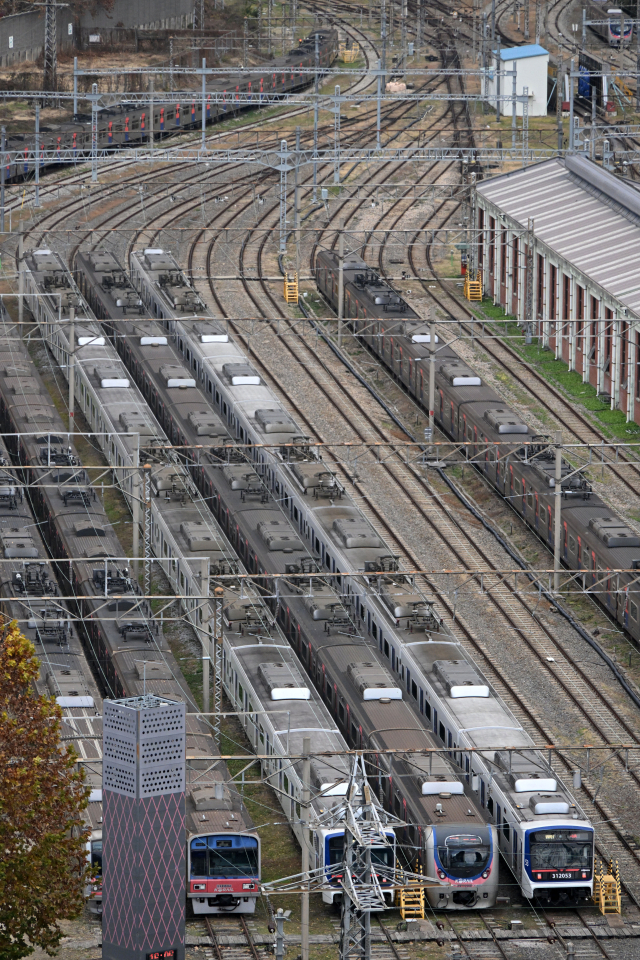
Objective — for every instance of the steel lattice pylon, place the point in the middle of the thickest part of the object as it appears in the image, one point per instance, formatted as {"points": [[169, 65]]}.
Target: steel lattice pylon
{"points": [[218, 595], [366, 825], [50, 78]]}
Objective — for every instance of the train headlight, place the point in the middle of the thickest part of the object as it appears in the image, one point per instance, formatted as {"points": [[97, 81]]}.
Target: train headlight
{"points": [[485, 874], [442, 875]]}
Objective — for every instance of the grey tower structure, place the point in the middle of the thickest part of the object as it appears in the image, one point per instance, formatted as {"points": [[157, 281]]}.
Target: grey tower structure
{"points": [[143, 795]]}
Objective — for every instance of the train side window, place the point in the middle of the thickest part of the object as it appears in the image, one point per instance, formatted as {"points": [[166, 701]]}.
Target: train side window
{"points": [[414, 690], [386, 649], [441, 731], [374, 634], [427, 710], [490, 805], [482, 792], [572, 544], [505, 829], [633, 610]]}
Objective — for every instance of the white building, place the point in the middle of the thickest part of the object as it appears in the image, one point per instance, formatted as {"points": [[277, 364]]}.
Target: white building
{"points": [[532, 64]]}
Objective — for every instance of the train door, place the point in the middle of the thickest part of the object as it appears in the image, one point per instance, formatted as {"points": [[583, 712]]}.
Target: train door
{"points": [[549, 525], [608, 587], [452, 425], [537, 513], [524, 498], [475, 442], [593, 567], [400, 361], [565, 544], [511, 482], [441, 407], [421, 386], [579, 553], [410, 374], [464, 434]]}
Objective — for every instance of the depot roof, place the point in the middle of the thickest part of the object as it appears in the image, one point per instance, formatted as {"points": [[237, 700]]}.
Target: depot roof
{"points": [[584, 214], [519, 53]]}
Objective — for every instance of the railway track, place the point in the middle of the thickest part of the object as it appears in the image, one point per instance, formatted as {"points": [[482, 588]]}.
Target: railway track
{"points": [[221, 928], [422, 498]]}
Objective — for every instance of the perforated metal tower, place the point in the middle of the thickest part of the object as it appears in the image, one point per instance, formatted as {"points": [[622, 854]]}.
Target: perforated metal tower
{"points": [[144, 828]]}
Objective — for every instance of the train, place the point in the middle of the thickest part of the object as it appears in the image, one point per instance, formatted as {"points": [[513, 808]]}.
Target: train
{"points": [[266, 542], [130, 124], [123, 642], [607, 22], [29, 596], [362, 592], [182, 532], [594, 539]]}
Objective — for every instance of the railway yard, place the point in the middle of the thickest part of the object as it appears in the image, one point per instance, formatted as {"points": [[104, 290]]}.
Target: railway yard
{"points": [[420, 505]]}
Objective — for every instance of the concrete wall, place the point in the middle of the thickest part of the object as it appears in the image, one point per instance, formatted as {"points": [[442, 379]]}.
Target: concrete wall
{"points": [[22, 34]]}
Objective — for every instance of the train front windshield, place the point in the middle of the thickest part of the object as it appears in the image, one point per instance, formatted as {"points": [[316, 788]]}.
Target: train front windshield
{"points": [[381, 856], [464, 855], [96, 858], [561, 851], [224, 857]]}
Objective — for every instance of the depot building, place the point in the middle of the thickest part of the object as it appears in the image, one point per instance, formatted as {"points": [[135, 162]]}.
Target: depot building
{"points": [[559, 248]]}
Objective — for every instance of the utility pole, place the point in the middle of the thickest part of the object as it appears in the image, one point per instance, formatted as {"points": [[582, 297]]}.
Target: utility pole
{"points": [[379, 108], [245, 42], [558, 514], [432, 382], [419, 26], [204, 104], [498, 78], [336, 135], [559, 102], [638, 56], [304, 809], [36, 165], [514, 93], [20, 275], [383, 36], [528, 318], [296, 204], [571, 139], [3, 170], [340, 280], [151, 133], [526, 19], [403, 30], [75, 86], [71, 371], [316, 106], [269, 25]]}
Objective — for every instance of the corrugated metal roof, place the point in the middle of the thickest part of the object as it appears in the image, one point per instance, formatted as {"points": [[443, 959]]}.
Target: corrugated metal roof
{"points": [[520, 53], [582, 225]]}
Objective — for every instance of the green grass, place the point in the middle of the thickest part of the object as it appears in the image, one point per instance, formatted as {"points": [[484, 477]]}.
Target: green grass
{"points": [[557, 372]]}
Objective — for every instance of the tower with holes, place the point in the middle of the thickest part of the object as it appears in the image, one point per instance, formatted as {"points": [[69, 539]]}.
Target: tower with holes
{"points": [[143, 833]]}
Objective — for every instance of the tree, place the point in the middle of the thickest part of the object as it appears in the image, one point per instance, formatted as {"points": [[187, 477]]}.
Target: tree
{"points": [[42, 795]]}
